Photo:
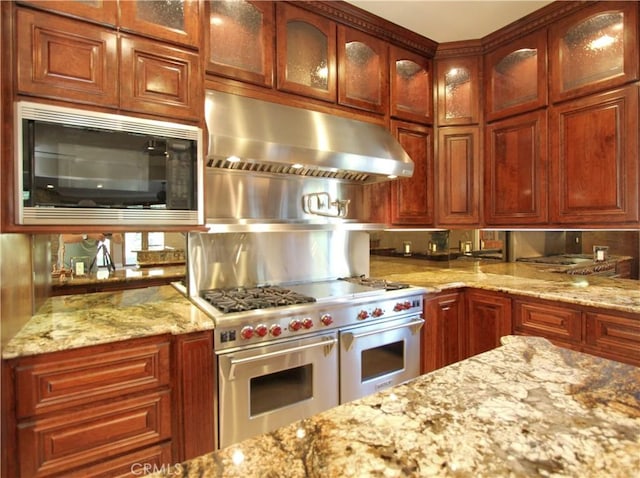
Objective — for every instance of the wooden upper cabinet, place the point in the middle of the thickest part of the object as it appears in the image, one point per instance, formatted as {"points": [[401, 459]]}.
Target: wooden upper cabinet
{"points": [[101, 11], [516, 77], [412, 198], [593, 50], [240, 40], [306, 53], [458, 173], [458, 81], [515, 170], [594, 159], [160, 79], [175, 21], [411, 86], [363, 75], [65, 59]]}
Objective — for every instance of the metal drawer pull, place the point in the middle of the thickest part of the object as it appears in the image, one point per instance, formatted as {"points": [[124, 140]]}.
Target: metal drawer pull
{"points": [[349, 338], [234, 362]]}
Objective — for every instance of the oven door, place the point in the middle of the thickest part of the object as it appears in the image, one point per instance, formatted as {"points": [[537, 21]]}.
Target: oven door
{"points": [[378, 356], [264, 388]]}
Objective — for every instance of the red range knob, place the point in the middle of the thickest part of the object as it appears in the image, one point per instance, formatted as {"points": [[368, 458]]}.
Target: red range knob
{"points": [[363, 314], [275, 330], [307, 323], [377, 312], [295, 325], [261, 330], [407, 305], [326, 319], [246, 332]]}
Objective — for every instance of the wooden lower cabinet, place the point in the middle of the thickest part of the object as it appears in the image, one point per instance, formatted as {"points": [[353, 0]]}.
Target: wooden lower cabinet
{"points": [[560, 324], [488, 319], [443, 334], [614, 336]]}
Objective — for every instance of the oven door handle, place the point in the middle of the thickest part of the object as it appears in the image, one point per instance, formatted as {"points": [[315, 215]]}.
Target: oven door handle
{"points": [[329, 343], [350, 337]]}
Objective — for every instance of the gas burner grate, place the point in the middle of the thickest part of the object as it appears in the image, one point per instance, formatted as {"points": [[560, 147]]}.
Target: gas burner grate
{"points": [[241, 299], [376, 283]]}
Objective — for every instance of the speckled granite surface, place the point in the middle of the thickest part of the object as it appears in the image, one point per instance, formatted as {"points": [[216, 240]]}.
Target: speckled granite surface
{"points": [[525, 409], [73, 321], [515, 278]]}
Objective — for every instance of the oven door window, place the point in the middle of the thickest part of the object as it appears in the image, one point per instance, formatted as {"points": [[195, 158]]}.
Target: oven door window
{"points": [[280, 389], [378, 361]]}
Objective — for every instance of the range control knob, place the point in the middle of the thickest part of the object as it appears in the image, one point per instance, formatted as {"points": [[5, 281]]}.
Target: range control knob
{"points": [[326, 319], [295, 325], [402, 306], [363, 314], [377, 312], [246, 332], [275, 330], [307, 323], [261, 330]]}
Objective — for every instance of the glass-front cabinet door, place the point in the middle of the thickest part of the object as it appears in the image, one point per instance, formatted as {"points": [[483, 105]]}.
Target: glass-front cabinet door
{"points": [[172, 20], [458, 90], [102, 11], [411, 86], [240, 40], [362, 71], [306, 53], [594, 50], [517, 77]]}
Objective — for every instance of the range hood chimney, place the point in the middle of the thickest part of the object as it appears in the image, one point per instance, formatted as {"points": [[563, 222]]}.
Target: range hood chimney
{"points": [[246, 134]]}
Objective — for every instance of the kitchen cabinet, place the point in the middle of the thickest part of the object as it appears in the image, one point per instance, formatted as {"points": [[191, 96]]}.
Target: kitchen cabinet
{"points": [[70, 60], [559, 323], [102, 11], [305, 53], [488, 319], [176, 21], [516, 77], [412, 198], [613, 336], [363, 73], [240, 41], [594, 170], [443, 335], [458, 84], [594, 49], [94, 409], [411, 86], [458, 173], [515, 171]]}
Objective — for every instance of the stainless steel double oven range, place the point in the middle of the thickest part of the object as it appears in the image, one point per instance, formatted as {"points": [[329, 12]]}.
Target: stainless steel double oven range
{"points": [[299, 331]]}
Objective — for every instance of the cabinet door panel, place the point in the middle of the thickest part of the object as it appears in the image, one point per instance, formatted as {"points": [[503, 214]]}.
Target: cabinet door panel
{"points": [[548, 321], [458, 91], [488, 319], [443, 334], [102, 11], [66, 59], [159, 79], [412, 198], [515, 175], [594, 164], [411, 86], [458, 195], [614, 336], [240, 40], [77, 438]]}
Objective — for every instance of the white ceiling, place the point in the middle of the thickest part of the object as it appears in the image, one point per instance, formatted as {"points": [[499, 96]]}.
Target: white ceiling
{"points": [[452, 20]]}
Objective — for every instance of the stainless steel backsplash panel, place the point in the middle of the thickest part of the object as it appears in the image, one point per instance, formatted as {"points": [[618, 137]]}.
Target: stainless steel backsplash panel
{"points": [[220, 260]]}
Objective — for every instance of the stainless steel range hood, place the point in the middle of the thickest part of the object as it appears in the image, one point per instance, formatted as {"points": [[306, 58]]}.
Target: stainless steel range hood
{"points": [[246, 134]]}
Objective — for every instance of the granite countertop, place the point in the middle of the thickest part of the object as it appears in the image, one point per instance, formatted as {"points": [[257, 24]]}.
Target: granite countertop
{"points": [[72, 321], [525, 409], [514, 278]]}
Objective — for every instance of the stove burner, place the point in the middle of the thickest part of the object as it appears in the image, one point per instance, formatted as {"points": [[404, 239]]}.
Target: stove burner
{"points": [[376, 283], [240, 299]]}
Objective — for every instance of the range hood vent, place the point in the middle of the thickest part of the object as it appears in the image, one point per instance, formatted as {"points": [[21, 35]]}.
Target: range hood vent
{"points": [[251, 135]]}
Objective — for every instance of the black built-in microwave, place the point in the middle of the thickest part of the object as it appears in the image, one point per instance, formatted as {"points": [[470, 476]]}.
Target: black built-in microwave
{"points": [[84, 167]]}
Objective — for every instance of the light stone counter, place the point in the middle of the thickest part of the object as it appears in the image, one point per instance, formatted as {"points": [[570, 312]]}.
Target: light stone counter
{"points": [[525, 409], [514, 278], [72, 321]]}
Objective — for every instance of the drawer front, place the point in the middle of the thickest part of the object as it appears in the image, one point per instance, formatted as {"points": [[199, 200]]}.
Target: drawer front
{"points": [[78, 379], [614, 336], [69, 440], [548, 321]]}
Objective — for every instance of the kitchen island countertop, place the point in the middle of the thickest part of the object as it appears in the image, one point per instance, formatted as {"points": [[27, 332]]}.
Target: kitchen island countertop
{"points": [[527, 408]]}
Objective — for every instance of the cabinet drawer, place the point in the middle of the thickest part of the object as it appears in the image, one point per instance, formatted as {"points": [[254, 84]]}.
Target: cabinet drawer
{"points": [[614, 336], [548, 321], [69, 440], [45, 384]]}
